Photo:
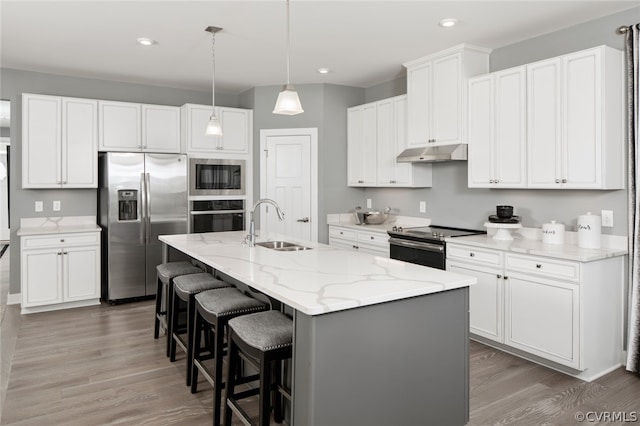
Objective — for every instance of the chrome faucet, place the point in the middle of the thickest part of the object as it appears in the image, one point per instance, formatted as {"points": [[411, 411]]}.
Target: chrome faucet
{"points": [[251, 236]]}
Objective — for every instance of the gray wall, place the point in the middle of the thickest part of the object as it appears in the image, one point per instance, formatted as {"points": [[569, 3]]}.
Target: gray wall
{"points": [[450, 202], [325, 109], [75, 202]]}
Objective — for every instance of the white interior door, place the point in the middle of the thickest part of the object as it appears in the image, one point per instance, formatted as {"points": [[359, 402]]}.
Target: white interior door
{"points": [[288, 165], [4, 193]]}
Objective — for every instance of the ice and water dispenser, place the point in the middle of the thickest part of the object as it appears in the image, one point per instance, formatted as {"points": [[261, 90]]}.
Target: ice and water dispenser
{"points": [[127, 204]]}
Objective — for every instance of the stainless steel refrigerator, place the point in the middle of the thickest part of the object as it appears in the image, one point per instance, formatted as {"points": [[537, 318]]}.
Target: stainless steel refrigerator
{"points": [[141, 197]]}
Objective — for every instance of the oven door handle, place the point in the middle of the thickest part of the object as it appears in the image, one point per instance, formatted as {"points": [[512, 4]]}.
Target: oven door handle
{"points": [[199, 212], [417, 245]]}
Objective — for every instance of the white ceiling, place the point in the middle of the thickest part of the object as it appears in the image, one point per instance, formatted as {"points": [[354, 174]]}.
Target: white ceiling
{"points": [[363, 42]]}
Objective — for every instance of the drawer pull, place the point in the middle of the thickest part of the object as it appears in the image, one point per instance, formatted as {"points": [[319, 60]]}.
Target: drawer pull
{"points": [[472, 254], [355, 247], [341, 232], [62, 240], [372, 237], [499, 276], [539, 266], [59, 253], [505, 277]]}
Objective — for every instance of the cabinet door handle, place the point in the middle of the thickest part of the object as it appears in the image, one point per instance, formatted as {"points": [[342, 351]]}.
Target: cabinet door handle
{"points": [[472, 254], [59, 253], [341, 232], [564, 181], [392, 181], [372, 237], [496, 181], [303, 220], [505, 277], [360, 181], [355, 247], [64, 252], [539, 266], [499, 276], [557, 180], [62, 240], [490, 180]]}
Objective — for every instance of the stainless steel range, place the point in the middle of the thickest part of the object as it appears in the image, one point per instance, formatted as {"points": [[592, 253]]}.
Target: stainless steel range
{"points": [[424, 245]]}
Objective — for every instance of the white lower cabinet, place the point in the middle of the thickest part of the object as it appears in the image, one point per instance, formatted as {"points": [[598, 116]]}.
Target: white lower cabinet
{"points": [[543, 318], [367, 241], [60, 271], [557, 312]]}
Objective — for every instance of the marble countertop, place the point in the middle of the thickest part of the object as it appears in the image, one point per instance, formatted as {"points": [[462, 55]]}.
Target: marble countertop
{"points": [[322, 280], [568, 251], [347, 220], [57, 225]]}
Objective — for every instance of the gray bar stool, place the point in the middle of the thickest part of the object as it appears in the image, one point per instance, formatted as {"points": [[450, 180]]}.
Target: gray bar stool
{"points": [[214, 309], [263, 339], [185, 288], [166, 272]]}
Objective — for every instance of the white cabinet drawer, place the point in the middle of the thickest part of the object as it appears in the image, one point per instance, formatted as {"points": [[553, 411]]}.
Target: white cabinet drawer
{"points": [[551, 268], [342, 233], [59, 240], [373, 238], [469, 254]]}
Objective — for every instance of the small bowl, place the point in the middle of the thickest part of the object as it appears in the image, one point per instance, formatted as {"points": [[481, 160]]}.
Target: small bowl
{"points": [[504, 212]]}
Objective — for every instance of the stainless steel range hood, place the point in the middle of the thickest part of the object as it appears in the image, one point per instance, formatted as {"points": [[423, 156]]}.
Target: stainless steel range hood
{"points": [[432, 154]]}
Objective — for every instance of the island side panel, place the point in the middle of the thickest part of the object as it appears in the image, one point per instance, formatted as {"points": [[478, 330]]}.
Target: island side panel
{"points": [[403, 362]]}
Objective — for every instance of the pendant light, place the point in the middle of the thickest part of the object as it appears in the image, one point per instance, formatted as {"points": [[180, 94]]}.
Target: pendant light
{"points": [[288, 102], [214, 128]]}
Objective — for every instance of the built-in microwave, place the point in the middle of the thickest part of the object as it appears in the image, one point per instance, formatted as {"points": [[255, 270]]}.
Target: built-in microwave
{"points": [[208, 176]]}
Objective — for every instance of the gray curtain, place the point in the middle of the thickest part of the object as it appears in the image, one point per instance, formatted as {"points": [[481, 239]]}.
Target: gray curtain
{"points": [[633, 73]]}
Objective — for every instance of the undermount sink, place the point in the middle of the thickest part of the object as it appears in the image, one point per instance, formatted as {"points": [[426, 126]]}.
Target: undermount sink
{"points": [[282, 246]]}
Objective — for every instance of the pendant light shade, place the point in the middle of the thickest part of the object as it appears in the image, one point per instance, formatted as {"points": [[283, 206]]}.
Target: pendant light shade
{"points": [[214, 128], [288, 102]]}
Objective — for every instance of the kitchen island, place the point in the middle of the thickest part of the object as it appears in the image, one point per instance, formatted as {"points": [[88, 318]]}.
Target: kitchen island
{"points": [[376, 341]]}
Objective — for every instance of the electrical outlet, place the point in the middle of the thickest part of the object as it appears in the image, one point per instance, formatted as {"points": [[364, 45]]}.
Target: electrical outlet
{"points": [[38, 206], [607, 218], [56, 206], [369, 203], [423, 206]]}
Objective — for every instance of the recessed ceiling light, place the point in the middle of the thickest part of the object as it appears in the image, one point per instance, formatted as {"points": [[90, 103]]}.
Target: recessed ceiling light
{"points": [[324, 70], [448, 22], [146, 41]]}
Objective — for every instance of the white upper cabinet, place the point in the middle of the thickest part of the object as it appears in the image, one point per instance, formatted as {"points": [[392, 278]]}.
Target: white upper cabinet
{"points": [[59, 142], [377, 133], [160, 128], [362, 145], [237, 127], [437, 98], [126, 126], [575, 121], [120, 126], [497, 130]]}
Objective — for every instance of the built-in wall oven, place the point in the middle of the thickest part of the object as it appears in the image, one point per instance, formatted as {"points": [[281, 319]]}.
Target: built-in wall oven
{"points": [[217, 215], [215, 176], [424, 245]]}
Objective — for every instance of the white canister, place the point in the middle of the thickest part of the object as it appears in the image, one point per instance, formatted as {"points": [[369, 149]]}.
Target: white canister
{"points": [[553, 233], [589, 231]]}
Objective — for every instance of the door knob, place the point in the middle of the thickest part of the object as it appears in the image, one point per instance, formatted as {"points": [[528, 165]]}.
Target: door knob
{"points": [[304, 220]]}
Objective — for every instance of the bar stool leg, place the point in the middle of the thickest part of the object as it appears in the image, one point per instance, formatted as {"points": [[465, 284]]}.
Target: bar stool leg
{"points": [[169, 293], [265, 391], [156, 328], [218, 350], [197, 343], [278, 415], [191, 317], [231, 379], [175, 315]]}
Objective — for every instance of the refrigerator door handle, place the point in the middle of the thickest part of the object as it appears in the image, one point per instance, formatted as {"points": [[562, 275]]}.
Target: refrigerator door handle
{"points": [[147, 206], [143, 208]]}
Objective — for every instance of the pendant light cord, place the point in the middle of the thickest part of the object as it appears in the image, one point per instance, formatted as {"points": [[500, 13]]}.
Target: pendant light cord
{"points": [[213, 69], [288, 43]]}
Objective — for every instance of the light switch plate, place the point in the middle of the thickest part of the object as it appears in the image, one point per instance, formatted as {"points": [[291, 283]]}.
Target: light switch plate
{"points": [[38, 206], [368, 203], [423, 206], [56, 206], [607, 218]]}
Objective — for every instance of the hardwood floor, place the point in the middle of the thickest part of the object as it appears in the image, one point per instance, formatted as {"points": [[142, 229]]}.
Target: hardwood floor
{"points": [[101, 365]]}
